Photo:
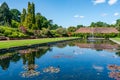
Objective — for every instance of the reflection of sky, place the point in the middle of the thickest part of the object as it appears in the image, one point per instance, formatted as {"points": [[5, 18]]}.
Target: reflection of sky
{"points": [[98, 68]]}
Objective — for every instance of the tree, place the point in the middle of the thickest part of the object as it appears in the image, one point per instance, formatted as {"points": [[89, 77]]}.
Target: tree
{"points": [[118, 24], [5, 15], [99, 24], [79, 26], [33, 12], [71, 29], [15, 14], [38, 21], [55, 26], [62, 32], [23, 16], [28, 17]]}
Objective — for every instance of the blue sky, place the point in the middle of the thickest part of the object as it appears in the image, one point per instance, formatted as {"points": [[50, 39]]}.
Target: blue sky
{"points": [[73, 12]]}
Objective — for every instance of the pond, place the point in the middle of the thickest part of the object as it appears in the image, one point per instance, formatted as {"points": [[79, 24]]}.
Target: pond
{"points": [[72, 60]]}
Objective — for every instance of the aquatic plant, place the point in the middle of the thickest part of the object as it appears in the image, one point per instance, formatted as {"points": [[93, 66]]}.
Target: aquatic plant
{"points": [[51, 69]]}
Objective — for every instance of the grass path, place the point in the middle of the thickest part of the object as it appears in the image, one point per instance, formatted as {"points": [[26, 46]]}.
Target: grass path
{"points": [[16, 43], [116, 40]]}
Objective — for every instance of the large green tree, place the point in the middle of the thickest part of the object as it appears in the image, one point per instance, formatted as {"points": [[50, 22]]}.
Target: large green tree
{"points": [[99, 24], [5, 15], [15, 14], [118, 24]]}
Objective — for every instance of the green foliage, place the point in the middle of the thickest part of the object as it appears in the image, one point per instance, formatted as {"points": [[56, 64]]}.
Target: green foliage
{"points": [[15, 14], [96, 35], [118, 24], [11, 32], [99, 24], [5, 15], [46, 33], [23, 16], [55, 26], [79, 26], [71, 29], [61, 32], [15, 24]]}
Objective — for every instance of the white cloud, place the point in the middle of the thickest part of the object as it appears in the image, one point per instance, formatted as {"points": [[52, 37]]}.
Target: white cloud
{"points": [[116, 14], [111, 2], [78, 16], [113, 22], [99, 1], [81, 16], [104, 14]]}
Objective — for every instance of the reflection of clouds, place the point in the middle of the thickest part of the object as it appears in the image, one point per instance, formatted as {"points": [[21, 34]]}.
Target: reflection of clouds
{"points": [[61, 55], [98, 68], [115, 56], [77, 52], [102, 55], [115, 71], [51, 69], [30, 73]]}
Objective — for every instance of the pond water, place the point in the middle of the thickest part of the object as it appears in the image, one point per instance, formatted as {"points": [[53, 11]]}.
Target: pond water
{"points": [[73, 60]]}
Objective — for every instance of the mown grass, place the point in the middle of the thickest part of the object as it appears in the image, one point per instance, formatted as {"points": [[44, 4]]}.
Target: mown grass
{"points": [[17, 43], [117, 39]]}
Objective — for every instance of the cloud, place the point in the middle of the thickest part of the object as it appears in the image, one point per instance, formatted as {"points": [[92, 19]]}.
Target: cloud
{"points": [[98, 1], [114, 22], [81, 16], [78, 16], [116, 14], [104, 14], [111, 2]]}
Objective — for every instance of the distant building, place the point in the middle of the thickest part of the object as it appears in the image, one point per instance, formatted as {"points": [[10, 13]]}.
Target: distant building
{"points": [[97, 30]]}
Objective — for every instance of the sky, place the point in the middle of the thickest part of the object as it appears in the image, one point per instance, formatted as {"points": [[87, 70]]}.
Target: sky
{"points": [[73, 12]]}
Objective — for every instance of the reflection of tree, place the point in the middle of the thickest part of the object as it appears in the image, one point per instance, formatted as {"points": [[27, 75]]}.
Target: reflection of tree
{"points": [[29, 60], [5, 63], [118, 53], [98, 45], [61, 45], [115, 71], [6, 58], [27, 55]]}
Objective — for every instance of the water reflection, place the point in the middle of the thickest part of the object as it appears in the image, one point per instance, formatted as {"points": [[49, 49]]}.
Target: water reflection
{"points": [[77, 51], [28, 57], [98, 68], [62, 55], [6, 58], [98, 45]]}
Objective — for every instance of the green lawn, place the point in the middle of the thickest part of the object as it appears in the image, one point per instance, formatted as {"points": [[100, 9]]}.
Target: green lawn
{"points": [[16, 43], [117, 39]]}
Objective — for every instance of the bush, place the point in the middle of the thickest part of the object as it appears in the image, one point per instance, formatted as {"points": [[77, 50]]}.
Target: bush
{"points": [[15, 24], [97, 35]]}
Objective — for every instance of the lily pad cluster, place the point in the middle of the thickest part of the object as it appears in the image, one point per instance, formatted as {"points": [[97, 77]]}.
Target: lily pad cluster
{"points": [[51, 69], [115, 71], [30, 71]]}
